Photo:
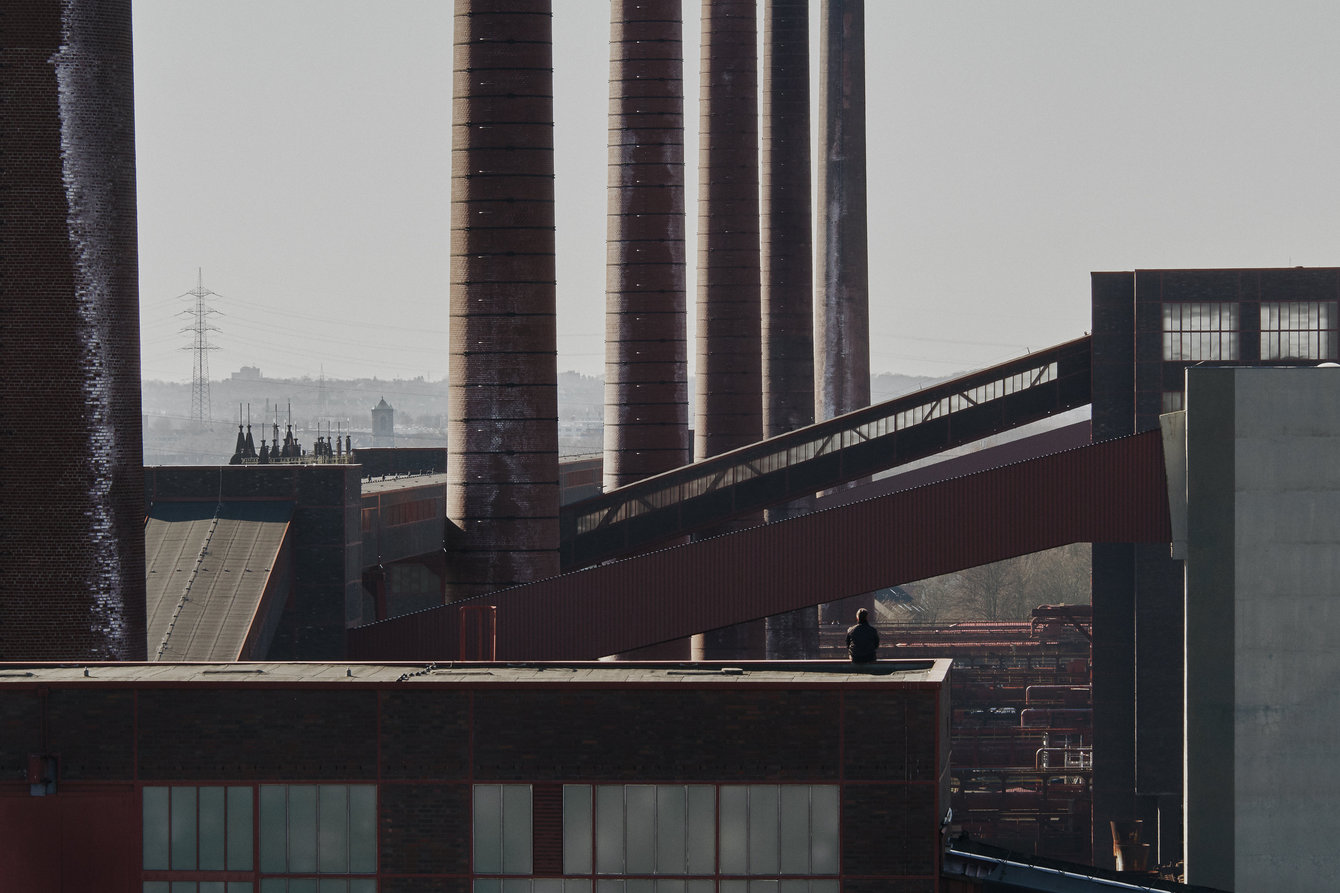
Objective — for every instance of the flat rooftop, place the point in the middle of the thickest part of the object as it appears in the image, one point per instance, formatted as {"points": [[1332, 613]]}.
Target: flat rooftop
{"points": [[598, 673]]}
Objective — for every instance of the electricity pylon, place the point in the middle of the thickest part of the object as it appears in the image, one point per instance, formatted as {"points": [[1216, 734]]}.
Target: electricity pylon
{"points": [[200, 329]]}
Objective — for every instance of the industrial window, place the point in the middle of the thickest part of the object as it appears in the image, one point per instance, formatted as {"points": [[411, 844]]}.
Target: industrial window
{"points": [[1172, 402], [502, 823], [779, 829], [318, 830], [1299, 330], [680, 838], [189, 828], [201, 886], [1200, 331]]}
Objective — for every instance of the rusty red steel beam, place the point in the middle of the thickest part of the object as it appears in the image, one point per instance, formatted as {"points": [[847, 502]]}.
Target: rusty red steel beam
{"points": [[502, 435], [646, 315], [1106, 492]]}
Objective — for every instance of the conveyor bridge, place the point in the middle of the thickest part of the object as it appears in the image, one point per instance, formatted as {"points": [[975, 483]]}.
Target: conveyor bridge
{"points": [[772, 472]]}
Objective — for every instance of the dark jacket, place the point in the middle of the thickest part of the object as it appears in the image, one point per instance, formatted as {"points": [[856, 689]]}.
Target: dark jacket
{"points": [[862, 641]]}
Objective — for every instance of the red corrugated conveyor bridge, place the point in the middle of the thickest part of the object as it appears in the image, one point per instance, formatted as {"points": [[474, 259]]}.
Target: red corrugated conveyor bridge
{"points": [[1113, 491]]}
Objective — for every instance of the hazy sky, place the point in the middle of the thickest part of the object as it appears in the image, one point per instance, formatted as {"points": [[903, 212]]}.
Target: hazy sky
{"points": [[299, 151]]}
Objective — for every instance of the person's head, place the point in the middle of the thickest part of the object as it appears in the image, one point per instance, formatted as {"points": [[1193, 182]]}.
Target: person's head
{"points": [[862, 616]]}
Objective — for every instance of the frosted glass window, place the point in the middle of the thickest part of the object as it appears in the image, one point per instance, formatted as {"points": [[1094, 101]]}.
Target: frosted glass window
{"points": [[213, 828], [333, 830], [488, 829], [487, 885], [547, 885], [795, 831], [238, 845], [213, 887], [515, 885], [1200, 331], [302, 885], [333, 885], [184, 887], [734, 886], [157, 886], [763, 835], [302, 827], [823, 829], [1299, 330], [734, 831], [671, 829], [639, 885], [576, 885], [156, 829], [502, 829], [762, 887], [183, 828], [640, 830], [824, 886], [311, 829], [274, 828], [517, 834], [702, 886], [578, 835], [609, 829], [794, 885], [670, 885], [362, 835], [702, 838]]}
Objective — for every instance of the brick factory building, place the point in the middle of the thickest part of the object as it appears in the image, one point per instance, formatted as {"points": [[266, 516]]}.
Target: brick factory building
{"points": [[543, 778]]}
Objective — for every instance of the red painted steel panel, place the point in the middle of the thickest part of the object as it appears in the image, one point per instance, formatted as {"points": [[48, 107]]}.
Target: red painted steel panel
{"points": [[1106, 492]]}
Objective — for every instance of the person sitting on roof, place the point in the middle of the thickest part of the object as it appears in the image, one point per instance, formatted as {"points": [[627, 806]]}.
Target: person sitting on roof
{"points": [[862, 639]]}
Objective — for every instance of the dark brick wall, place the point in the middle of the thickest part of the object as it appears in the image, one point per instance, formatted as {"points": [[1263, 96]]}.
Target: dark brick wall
{"points": [[425, 734], [624, 735], [252, 735], [417, 742], [92, 734], [71, 547], [20, 732], [890, 736], [889, 829], [425, 828]]}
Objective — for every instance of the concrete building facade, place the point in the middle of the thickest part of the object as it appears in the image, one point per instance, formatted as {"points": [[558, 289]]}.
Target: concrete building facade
{"points": [[1262, 561], [1149, 327]]}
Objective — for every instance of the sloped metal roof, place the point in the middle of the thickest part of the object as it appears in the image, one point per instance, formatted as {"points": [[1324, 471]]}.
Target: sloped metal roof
{"points": [[206, 568]]}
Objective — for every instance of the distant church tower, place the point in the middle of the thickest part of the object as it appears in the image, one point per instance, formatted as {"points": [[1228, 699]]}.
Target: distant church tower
{"points": [[383, 424]]}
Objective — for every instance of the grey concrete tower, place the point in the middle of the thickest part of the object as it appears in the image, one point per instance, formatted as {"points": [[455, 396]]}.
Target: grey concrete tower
{"points": [[503, 398], [787, 269], [842, 316], [646, 334], [71, 475], [729, 410]]}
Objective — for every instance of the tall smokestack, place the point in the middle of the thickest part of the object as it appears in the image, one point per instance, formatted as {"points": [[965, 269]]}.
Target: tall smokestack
{"points": [[646, 351], [787, 270], [71, 473], [502, 437], [729, 410], [842, 336]]}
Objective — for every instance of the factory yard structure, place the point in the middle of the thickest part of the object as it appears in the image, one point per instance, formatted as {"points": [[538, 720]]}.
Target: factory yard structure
{"points": [[331, 671]]}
